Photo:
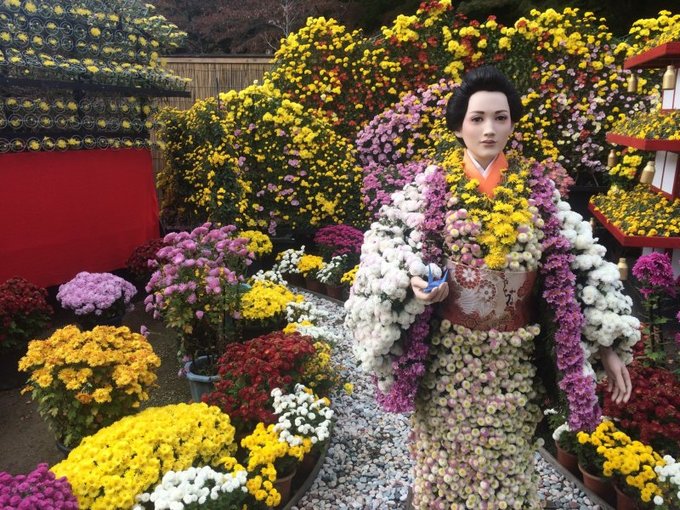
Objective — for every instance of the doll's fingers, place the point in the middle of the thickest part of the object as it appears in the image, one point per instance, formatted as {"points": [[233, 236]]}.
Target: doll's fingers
{"points": [[443, 290], [418, 283], [628, 383], [621, 386], [424, 296]]}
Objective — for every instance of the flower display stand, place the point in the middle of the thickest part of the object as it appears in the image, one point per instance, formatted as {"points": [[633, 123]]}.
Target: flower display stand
{"points": [[666, 179]]}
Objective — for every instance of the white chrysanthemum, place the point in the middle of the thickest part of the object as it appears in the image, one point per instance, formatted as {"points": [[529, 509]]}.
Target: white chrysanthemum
{"points": [[390, 257], [605, 307], [301, 415]]}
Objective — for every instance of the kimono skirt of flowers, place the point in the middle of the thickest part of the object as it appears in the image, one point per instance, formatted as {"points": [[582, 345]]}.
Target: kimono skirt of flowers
{"points": [[476, 409]]}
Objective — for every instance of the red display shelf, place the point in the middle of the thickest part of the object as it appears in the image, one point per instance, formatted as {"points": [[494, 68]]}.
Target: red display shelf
{"points": [[644, 144], [634, 241], [660, 56]]}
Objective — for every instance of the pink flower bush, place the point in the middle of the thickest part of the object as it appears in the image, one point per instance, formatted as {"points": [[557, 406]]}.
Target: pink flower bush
{"points": [[96, 293], [655, 274], [195, 287]]}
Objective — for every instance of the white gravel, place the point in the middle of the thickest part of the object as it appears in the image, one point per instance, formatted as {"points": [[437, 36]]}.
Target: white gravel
{"points": [[368, 466]]}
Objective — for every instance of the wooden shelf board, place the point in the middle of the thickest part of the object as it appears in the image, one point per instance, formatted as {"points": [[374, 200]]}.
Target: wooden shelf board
{"points": [[644, 144], [661, 56], [634, 241]]}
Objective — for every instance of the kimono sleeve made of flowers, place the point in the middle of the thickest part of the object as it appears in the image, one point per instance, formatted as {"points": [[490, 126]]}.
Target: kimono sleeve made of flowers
{"points": [[606, 309], [381, 306]]}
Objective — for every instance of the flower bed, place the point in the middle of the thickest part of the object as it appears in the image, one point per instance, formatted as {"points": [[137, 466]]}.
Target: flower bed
{"points": [[628, 211], [109, 469]]}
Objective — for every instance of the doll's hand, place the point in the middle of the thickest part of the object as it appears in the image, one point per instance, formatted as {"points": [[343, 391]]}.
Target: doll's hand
{"points": [[618, 378], [436, 295]]}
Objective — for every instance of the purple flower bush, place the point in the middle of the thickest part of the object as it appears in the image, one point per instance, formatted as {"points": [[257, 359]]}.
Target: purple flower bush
{"points": [[99, 294], [335, 240], [409, 368], [655, 274], [559, 293], [657, 285], [195, 287], [39, 490]]}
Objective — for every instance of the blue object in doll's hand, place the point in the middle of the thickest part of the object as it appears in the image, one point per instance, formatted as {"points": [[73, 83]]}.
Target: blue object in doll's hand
{"points": [[433, 284]]}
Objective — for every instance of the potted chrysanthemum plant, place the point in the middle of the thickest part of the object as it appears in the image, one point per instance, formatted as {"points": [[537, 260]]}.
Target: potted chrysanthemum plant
{"points": [[196, 290], [85, 380], [97, 298], [24, 312]]}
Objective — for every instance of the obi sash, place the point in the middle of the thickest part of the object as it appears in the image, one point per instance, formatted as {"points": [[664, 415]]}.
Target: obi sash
{"points": [[484, 299]]}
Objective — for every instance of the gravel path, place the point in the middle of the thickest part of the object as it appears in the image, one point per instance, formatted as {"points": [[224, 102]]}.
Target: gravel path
{"points": [[368, 466]]}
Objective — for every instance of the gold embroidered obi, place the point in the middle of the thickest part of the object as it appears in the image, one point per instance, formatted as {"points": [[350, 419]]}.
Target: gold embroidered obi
{"points": [[485, 299]]}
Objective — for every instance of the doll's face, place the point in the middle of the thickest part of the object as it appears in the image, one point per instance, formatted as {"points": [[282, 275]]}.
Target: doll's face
{"points": [[486, 126]]}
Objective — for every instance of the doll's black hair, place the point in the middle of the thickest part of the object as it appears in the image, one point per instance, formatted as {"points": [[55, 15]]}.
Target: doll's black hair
{"points": [[485, 78]]}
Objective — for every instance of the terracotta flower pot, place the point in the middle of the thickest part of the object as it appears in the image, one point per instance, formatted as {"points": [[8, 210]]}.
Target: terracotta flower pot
{"points": [[314, 285], [335, 291], [568, 460], [624, 501], [308, 463], [284, 485], [598, 485]]}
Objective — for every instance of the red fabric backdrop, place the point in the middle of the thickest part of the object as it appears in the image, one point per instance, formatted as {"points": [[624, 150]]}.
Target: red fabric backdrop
{"points": [[66, 212]]}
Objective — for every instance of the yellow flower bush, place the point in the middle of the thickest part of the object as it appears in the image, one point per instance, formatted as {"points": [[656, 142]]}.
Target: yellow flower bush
{"points": [[350, 276], [310, 264], [266, 301], [624, 172], [343, 74], [591, 446], [652, 32], [438, 42], [266, 450], [259, 243], [261, 486], [130, 456], [651, 125], [256, 158], [640, 211], [320, 373], [574, 87], [85, 380], [632, 464]]}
